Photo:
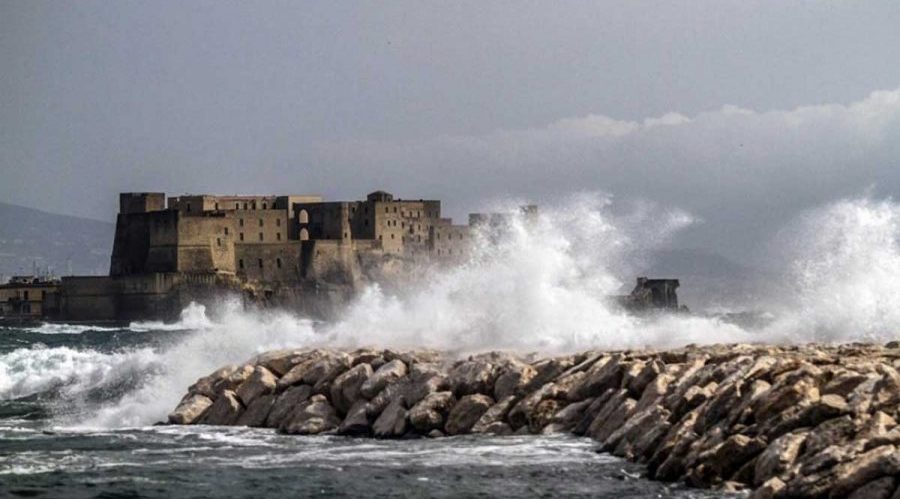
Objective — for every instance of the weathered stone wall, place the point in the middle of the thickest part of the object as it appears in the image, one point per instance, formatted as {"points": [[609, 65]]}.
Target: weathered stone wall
{"points": [[805, 421], [274, 263]]}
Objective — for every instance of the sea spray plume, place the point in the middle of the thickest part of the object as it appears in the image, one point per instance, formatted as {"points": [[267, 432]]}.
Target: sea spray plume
{"points": [[843, 271], [540, 284], [232, 335]]}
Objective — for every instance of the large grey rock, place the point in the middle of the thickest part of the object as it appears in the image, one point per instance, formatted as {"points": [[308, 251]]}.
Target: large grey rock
{"points": [[345, 388], [392, 422], [190, 409], [495, 414], [256, 413], [466, 413], [387, 374], [470, 377], [513, 379], [606, 373], [357, 422], [224, 411], [324, 371], [286, 403], [430, 412], [260, 382], [778, 457], [883, 488], [312, 417], [279, 362]]}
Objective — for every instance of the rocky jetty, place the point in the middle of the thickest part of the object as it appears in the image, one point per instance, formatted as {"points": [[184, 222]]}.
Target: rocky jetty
{"points": [[792, 421]]}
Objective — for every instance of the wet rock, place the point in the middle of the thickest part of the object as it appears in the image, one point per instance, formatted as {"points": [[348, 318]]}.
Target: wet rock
{"points": [[872, 465], [260, 382], [285, 404], [392, 422], [513, 380], [279, 362], [497, 428], [778, 456], [385, 375], [495, 414], [190, 409], [312, 417], [224, 411], [431, 412], [470, 377], [605, 374], [883, 488], [257, 412], [357, 421], [612, 416], [466, 413], [345, 390]]}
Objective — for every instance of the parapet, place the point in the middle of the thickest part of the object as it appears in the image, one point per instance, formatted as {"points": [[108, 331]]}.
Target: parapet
{"points": [[141, 202]]}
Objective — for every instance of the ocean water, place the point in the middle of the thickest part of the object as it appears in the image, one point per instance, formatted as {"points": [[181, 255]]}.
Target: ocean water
{"points": [[62, 388]]}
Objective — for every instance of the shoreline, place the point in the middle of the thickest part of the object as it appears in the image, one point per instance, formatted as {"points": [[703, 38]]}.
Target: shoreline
{"points": [[782, 421]]}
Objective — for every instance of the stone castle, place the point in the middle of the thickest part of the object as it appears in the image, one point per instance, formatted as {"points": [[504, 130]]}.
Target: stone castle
{"points": [[296, 250]]}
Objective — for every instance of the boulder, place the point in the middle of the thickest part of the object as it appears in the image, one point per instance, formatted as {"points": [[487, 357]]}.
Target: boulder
{"points": [[224, 411], [470, 377], [357, 422], [279, 362], [190, 409], [324, 371], [605, 374], [466, 413], [392, 422], [611, 417], [495, 414], [286, 403], [883, 488], [385, 375], [312, 417], [260, 382], [513, 379], [346, 387], [778, 457], [257, 411], [431, 412], [869, 466]]}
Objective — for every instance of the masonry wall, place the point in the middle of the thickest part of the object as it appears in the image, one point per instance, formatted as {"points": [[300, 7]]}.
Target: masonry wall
{"points": [[276, 262]]}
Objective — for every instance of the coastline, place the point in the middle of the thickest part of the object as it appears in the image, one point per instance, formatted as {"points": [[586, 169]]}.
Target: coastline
{"points": [[782, 421]]}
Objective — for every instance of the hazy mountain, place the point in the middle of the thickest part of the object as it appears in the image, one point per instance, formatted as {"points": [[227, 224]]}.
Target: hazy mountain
{"points": [[32, 238]]}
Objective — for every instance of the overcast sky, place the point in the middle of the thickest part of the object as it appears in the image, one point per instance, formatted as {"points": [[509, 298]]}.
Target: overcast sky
{"points": [[741, 112]]}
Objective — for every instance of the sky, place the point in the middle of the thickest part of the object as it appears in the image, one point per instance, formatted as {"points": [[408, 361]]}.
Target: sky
{"points": [[741, 113]]}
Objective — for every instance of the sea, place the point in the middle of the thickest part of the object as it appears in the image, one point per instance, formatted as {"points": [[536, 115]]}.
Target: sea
{"points": [[79, 403]]}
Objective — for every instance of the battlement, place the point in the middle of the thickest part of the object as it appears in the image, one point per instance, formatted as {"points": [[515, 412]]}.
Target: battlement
{"points": [[141, 202]]}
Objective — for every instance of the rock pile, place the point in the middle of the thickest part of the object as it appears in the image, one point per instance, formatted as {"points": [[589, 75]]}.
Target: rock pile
{"points": [[797, 421]]}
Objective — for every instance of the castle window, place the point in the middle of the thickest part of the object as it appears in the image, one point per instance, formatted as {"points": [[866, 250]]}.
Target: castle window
{"points": [[366, 222], [253, 204], [260, 222], [392, 236], [217, 206], [345, 235], [277, 222], [259, 262], [260, 236], [264, 206], [218, 242], [402, 225], [237, 206], [278, 262], [278, 236], [26, 295], [387, 210], [189, 207], [241, 222], [395, 209], [242, 236], [379, 237], [245, 206], [241, 264], [226, 231]]}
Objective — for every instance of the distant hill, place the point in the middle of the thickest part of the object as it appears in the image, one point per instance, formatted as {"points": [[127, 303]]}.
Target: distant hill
{"points": [[30, 237]]}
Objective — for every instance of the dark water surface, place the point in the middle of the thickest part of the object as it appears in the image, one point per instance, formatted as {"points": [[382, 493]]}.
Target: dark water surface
{"points": [[70, 397]]}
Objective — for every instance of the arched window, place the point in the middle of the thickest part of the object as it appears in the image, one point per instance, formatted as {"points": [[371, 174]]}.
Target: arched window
{"points": [[303, 217], [304, 234]]}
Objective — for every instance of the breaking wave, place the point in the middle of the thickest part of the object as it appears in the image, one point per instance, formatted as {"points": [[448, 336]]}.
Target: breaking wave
{"points": [[543, 286]]}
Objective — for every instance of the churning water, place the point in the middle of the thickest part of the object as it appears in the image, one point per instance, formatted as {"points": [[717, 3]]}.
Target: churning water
{"points": [[77, 402]]}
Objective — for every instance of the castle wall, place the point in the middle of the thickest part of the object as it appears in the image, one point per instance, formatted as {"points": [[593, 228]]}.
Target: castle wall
{"points": [[276, 262], [88, 298], [205, 243]]}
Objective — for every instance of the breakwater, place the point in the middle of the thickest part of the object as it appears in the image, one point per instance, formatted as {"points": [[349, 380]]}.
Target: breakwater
{"points": [[791, 421]]}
